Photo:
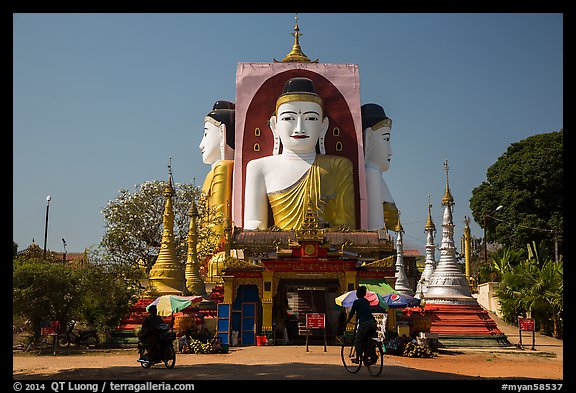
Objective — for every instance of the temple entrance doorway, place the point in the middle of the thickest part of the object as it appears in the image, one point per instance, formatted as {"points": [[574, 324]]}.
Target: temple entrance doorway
{"points": [[246, 315], [297, 297]]}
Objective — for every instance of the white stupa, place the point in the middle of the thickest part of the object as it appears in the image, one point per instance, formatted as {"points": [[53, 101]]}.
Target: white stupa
{"points": [[430, 262]]}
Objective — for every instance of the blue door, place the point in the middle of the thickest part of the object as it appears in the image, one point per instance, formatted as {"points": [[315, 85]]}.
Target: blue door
{"points": [[223, 323], [248, 324]]}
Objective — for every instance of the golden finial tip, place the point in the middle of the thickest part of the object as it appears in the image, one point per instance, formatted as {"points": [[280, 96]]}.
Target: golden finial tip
{"points": [[296, 55]]}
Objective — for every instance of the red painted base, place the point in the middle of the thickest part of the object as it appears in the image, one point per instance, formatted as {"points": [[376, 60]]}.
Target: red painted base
{"points": [[461, 320]]}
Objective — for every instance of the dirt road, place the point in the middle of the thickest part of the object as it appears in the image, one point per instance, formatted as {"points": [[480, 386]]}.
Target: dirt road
{"points": [[286, 363]]}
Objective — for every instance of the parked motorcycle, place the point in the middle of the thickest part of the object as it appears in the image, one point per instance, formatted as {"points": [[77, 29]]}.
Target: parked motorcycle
{"points": [[78, 337], [165, 352]]}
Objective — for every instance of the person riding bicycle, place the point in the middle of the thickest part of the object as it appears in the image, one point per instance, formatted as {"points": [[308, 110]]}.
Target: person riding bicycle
{"points": [[366, 322], [150, 333]]}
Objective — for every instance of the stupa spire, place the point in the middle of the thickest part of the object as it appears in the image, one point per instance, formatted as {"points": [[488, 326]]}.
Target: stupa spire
{"points": [[296, 55], [456, 315], [430, 262], [166, 276], [447, 199], [448, 285], [194, 283], [401, 285]]}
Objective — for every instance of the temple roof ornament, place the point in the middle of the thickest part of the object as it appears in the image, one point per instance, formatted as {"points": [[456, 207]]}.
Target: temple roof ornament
{"points": [[309, 230], [296, 55]]}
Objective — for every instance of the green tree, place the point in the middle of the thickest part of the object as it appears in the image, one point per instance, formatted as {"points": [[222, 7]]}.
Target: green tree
{"points": [[106, 308], [97, 293], [43, 291], [134, 224], [527, 180]]}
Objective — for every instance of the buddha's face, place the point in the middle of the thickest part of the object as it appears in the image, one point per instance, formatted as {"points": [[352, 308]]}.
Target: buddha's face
{"points": [[378, 149], [299, 124], [211, 143]]}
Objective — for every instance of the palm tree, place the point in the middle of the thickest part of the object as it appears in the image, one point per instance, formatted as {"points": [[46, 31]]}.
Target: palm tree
{"points": [[529, 287], [548, 293]]}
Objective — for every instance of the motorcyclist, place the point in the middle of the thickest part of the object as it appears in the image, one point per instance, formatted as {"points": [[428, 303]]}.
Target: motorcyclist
{"points": [[150, 333]]}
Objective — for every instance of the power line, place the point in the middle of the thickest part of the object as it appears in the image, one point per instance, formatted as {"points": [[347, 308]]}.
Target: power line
{"points": [[553, 231], [523, 226]]}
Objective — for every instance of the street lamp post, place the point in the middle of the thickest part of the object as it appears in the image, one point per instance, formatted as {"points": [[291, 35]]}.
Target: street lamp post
{"points": [[64, 255], [485, 223], [48, 198]]}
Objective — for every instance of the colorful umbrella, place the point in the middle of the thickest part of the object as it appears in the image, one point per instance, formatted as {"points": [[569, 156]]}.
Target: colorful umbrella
{"points": [[168, 304], [380, 287], [396, 300], [347, 299]]}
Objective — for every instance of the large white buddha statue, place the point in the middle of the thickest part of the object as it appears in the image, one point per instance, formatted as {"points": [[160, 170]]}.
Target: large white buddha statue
{"points": [[288, 181], [217, 147], [376, 127]]}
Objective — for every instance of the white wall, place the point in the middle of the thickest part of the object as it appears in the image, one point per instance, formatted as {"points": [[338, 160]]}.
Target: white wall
{"points": [[487, 297]]}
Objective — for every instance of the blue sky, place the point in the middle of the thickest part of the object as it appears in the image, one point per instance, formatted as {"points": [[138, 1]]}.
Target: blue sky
{"points": [[102, 100]]}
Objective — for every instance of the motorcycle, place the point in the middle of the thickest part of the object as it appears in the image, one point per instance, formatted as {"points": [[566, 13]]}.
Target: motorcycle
{"points": [[165, 352], [89, 337]]}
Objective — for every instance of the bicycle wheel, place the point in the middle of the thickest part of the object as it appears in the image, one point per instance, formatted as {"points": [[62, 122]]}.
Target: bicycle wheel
{"points": [[375, 362], [347, 353]]}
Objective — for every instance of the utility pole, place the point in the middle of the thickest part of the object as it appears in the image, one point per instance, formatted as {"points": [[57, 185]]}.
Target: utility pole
{"points": [[48, 198]]}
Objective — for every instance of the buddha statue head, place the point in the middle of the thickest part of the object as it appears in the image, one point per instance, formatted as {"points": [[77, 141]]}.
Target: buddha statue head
{"points": [[299, 122], [218, 140], [376, 128]]}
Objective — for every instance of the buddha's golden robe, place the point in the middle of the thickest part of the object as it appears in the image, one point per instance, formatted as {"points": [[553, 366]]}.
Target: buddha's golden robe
{"points": [[328, 186], [390, 215], [218, 188]]}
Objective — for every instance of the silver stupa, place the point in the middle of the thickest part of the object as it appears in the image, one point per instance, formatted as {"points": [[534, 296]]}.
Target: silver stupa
{"points": [[401, 285], [430, 262], [448, 284]]}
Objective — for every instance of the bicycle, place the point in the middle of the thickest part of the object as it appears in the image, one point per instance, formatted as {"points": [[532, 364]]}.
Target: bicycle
{"points": [[373, 346]]}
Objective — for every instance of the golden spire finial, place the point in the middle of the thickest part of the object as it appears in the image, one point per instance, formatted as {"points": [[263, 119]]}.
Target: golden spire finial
{"points": [[447, 199], [399, 227], [169, 190], [296, 55], [429, 223], [194, 283]]}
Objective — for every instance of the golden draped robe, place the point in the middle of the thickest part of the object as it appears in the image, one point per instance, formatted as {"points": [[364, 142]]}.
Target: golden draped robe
{"points": [[390, 215], [328, 186], [218, 188]]}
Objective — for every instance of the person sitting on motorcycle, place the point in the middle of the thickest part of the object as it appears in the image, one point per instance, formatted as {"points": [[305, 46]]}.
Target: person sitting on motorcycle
{"points": [[150, 333]]}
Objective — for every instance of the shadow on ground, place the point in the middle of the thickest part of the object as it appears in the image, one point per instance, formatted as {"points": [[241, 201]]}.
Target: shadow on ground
{"points": [[226, 372]]}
